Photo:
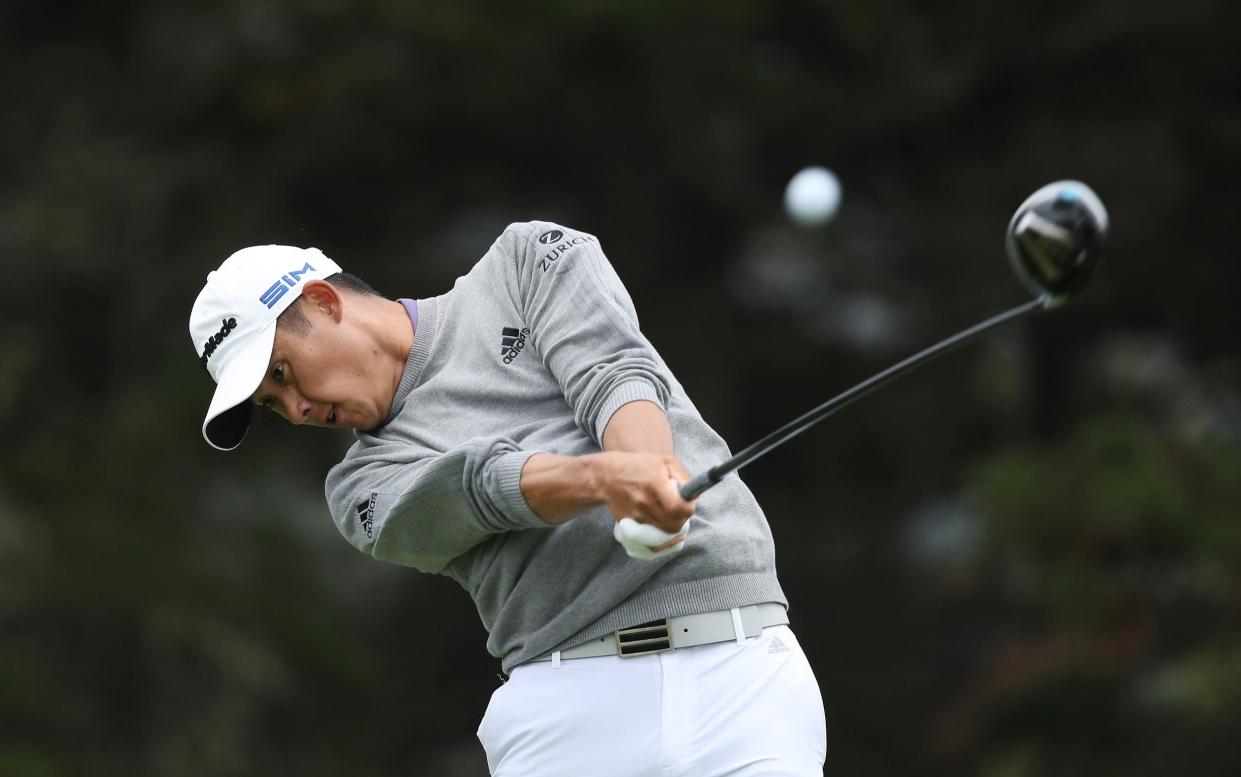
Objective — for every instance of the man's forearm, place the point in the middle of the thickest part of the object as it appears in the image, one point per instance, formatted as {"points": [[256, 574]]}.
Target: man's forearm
{"points": [[559, 487], [630, 476]]}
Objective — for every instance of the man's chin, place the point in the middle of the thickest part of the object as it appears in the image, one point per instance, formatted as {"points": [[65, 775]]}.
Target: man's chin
{"points": [[366, 427]]}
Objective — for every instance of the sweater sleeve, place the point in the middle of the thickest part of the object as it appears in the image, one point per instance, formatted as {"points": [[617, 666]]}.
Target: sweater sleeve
{"points": [[583, 323], [409, 506]]}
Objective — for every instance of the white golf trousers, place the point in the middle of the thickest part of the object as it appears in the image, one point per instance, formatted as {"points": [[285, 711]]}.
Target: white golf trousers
{"points": [[746, 708]]}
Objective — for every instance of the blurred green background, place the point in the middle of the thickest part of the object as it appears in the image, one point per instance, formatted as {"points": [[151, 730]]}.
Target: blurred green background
{"points": [[1023, 560]]}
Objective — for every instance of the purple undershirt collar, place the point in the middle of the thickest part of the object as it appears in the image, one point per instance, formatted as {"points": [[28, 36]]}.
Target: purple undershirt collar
{"points": [[411, 307]]}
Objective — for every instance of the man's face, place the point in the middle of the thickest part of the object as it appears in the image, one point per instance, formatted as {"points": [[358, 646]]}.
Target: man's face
{"points": [[324, 377]]}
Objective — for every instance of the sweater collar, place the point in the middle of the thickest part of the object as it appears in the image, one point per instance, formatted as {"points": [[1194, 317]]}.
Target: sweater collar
{"points": [[419, 354]]}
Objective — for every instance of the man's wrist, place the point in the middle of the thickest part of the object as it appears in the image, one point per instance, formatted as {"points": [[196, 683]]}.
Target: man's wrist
{"points": [[592, 475]]}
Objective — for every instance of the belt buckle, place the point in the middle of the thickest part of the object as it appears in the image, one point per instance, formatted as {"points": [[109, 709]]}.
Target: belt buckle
{"points": [[644, 639]]}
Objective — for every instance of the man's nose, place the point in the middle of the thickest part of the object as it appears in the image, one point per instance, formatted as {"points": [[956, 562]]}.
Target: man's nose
{"points": [[298, 408]]}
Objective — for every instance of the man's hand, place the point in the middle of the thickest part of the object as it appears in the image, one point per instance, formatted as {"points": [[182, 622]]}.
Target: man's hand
{"points": [[643, 493], [645, 541], [644, 487], [636, 476], [642, 427]]}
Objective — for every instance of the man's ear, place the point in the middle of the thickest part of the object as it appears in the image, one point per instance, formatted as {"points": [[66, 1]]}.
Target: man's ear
{"points": [[323, 297]]}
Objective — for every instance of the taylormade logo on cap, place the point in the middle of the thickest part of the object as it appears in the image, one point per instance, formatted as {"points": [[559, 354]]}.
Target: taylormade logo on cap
{"points": [[226, 326], [233, 326]]}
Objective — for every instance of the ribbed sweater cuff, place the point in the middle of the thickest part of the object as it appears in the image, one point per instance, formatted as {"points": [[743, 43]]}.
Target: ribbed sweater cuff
{"points": [[515, 507], [629, 391]]}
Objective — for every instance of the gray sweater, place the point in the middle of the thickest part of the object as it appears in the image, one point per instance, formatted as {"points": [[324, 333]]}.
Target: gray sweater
{"points": [[534, 350]]}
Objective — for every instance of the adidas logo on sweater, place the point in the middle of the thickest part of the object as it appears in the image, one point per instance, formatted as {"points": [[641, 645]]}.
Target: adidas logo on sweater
{"points": [[512, 341], [366, 514]]}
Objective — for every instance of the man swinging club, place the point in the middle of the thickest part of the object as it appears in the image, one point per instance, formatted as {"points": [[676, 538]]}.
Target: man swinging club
{"points": [[519, 434]]}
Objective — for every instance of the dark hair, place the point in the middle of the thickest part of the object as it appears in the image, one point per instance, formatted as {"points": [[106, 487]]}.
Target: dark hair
{"points": [[294, 320]]}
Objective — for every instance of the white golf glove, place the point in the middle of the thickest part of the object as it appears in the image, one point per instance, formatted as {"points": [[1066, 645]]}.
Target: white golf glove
{"points": [[638, 539]]}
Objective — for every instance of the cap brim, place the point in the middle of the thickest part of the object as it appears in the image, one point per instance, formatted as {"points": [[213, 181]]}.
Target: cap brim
{"points": [[228, 417]]}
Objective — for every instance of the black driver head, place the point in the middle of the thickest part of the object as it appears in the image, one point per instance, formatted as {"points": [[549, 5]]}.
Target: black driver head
{"points": [[1056, 238]]}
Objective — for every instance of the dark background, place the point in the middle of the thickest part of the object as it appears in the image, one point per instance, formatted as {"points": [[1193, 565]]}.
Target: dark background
{"points": [[1023, 560]]}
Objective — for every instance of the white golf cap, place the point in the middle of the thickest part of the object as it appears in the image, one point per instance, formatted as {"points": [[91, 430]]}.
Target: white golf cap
{"points": [[233, 327]]}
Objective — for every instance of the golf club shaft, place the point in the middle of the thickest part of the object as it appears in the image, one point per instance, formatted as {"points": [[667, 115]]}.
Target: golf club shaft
{"points": [[701, 482]]}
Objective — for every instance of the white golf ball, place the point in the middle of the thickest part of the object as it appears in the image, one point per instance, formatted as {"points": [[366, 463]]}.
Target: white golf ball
{"points": [[813, 196]]}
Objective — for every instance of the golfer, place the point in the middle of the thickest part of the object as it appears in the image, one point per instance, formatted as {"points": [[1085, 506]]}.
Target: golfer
{"points": [[520, 435]]}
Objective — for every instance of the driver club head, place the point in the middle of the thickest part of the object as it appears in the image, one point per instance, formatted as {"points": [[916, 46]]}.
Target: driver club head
{"points": [[1056, 238]]}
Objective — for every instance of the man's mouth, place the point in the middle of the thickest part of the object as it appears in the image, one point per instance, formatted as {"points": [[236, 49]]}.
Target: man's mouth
{"points": [[331, 416]]}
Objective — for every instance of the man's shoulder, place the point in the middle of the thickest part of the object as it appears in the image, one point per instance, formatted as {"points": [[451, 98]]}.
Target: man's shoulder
{"points": [[530, 243], [539, 233]]}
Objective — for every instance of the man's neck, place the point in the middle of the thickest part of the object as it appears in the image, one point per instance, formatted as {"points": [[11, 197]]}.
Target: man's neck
{"points": [[394, 335]]}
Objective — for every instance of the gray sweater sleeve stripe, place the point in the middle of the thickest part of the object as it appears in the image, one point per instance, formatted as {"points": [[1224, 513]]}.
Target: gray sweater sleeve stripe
{"points": [[640, 380], [586, 330]]}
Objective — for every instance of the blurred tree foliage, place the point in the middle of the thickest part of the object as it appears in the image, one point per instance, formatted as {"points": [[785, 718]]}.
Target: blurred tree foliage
{"points": [[1022, 561], [1113, 556]]}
